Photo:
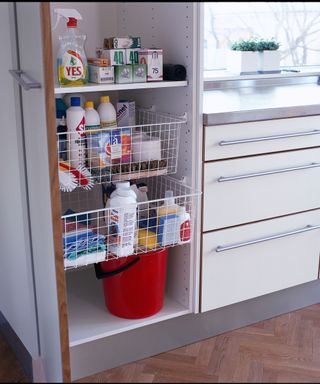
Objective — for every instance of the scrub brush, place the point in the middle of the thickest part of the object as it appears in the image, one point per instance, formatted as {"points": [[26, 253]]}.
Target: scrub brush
{"points": [[82, 174], [67, 181]]}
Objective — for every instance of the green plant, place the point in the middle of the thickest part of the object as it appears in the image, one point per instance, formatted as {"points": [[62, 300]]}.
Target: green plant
{"points": [[244, 45], [255, 45], [267, 45]]}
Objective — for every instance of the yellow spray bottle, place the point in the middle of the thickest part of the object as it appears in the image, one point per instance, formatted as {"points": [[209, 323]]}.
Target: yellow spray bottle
{"points": [[71, 60]]}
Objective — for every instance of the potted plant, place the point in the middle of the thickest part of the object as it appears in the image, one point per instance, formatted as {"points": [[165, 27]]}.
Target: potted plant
{"points": [[269, 56], [243, 57]]}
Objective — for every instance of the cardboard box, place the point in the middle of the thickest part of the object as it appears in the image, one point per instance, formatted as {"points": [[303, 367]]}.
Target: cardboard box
{"points": [[126, 113], [123, 74], [99, 62], [132, 55], [139, 73], [101, 75], [154, 60], [122, 42], [115, 56]]}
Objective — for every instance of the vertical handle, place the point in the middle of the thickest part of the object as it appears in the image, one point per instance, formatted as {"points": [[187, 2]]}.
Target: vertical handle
{"points": [[24, 80]]}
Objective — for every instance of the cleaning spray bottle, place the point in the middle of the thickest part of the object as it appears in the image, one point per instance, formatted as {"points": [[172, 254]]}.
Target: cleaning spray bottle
{"points": [[71, 60]]}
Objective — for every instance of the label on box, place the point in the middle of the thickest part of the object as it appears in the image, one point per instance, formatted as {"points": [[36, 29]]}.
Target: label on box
{"points": [[126, 111], [115, 56], [122, 42], [139, 74], [123, 73], [154, 60], [101, 74], [132, 55], [99, 62]]}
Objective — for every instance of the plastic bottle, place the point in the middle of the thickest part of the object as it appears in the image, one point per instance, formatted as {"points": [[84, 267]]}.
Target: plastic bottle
{"points": [[76, 127], [184, 225], [62, 137], [95, 150], [122, 220], [108, 122], [71, 60], [107, 113]]}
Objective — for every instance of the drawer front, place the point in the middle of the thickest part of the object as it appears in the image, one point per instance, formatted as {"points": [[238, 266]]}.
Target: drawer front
{"points": [[255, 259], [243, 190], [241, 139]]}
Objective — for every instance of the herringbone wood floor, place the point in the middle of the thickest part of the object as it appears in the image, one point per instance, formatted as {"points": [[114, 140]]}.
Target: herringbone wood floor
{"points": [[282, 349]]}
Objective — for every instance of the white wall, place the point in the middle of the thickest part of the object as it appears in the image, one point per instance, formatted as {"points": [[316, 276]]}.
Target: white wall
{"points": [[17, 302]]}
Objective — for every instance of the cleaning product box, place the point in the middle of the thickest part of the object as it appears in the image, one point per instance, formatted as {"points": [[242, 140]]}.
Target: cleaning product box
{"points": [[132, 55], [126, 113], [100, 62], [123, 74], [115, 56], [122, 42], [139, 73], [154, 60], [103, 75]]}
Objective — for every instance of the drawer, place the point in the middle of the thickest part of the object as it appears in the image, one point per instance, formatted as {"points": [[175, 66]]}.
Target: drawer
{"points": [[243, 190], [241, 139], [255, 259]]}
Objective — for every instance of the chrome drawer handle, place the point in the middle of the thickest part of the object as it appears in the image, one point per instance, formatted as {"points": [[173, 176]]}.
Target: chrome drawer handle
{"points": [[238, 245], [24, 80], [272, 172], [265, 138]]}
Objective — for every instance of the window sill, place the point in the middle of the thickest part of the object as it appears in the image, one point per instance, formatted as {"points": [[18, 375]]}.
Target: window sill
{"points": [[224, 75]]}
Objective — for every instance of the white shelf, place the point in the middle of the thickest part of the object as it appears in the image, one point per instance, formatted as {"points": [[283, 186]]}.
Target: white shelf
{"points": [[90, 320], [92, 87]]}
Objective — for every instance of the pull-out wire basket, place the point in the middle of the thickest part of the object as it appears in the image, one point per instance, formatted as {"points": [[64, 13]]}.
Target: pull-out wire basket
{"points": [[99, 235], [149, 148]]}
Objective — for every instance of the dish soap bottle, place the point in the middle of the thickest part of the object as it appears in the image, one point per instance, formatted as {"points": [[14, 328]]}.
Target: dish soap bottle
{"points": [[72, 60]]}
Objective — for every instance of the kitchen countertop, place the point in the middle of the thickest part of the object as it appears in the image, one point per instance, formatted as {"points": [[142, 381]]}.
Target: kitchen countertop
{"points": [[223, 106]]}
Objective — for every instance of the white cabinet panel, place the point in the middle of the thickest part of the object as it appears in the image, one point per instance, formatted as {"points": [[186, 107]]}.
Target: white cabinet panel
{"points": [[249, 189], [281, 253], [242, 139]]}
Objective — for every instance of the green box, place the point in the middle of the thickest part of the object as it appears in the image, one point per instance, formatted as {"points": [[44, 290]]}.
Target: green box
{"points": [[139, 73], [123, 74]]}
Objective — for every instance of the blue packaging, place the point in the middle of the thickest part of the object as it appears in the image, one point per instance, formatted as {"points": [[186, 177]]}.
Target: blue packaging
{"points": [[168, 231]]}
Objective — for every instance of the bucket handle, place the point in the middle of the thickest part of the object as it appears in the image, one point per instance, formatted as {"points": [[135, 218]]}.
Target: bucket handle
{"points": [[100, 274]]}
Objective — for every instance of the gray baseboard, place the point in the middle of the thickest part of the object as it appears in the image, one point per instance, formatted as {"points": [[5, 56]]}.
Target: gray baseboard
{"points": [[106, 353], [20, 351]]}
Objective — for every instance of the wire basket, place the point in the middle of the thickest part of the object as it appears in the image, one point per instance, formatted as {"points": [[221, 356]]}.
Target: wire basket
{"points": [[150, 225], [147, 149]]}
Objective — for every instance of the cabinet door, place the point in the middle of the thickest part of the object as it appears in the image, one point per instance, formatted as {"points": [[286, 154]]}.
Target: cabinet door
{"points": [[34, 46], [255, 259], [242, 139], [17, 292], [261, 187]]}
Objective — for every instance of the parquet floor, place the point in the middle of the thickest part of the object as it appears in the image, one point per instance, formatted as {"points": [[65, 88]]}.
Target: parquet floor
{"points": [[282, 349]]}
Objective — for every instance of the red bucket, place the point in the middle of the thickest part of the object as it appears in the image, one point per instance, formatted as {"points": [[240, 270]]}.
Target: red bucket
{"points": [[134, 285]]}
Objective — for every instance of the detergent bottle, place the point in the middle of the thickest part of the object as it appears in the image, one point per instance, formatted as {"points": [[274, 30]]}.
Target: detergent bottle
{"points": [[71, 60], [122, 220]]}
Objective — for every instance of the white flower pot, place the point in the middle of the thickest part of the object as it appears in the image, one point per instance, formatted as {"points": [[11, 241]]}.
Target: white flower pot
{"points": [[269, 61], [242, 62]]}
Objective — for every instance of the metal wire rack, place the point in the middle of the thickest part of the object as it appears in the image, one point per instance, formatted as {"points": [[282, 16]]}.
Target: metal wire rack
{"points": [[147, 149], [150, 225]]}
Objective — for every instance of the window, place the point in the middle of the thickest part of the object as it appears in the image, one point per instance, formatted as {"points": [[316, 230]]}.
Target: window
{"points": [[296, 25]]}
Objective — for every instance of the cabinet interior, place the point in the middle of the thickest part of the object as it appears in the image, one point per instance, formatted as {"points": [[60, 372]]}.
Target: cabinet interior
{"points": [[172, 31]]}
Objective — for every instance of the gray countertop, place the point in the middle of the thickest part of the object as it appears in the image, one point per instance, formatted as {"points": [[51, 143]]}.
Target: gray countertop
{"points": [[260, 103]]}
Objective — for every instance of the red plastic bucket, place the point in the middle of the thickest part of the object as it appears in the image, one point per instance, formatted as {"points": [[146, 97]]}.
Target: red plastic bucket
{"points": [[134, 285]]}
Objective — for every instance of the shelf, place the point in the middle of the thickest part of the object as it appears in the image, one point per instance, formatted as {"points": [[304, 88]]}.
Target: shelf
{"points": [[90, 320], [92, 87]]}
